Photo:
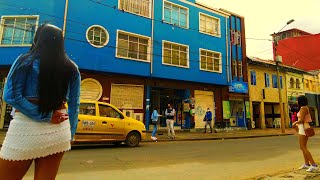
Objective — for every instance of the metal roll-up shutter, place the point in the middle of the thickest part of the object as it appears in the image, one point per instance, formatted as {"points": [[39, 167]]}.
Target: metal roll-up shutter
{"points": [[204, 100]]}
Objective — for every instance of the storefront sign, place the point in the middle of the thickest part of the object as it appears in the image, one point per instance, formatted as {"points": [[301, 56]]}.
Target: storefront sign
{"points": [[239, 87], [226, 109]]}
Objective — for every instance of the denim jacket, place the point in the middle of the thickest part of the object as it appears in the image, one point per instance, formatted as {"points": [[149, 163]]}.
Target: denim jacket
{"points": [[27, 87], [155, 115]]}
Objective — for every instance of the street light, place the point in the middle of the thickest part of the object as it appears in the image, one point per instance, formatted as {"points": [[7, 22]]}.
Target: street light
{"points": [[278, 60]]}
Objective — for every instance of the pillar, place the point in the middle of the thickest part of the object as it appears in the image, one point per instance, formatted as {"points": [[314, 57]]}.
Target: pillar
{"points": [[251, 113], [148, 115], [262, 116], [187, 121]]}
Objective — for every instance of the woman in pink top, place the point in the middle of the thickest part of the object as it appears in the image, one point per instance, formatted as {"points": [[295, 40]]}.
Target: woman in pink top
{"points": [[304, 119]]}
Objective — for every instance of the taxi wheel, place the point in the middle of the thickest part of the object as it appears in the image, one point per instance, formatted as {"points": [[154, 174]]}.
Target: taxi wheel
{"points": [[133, 139]]}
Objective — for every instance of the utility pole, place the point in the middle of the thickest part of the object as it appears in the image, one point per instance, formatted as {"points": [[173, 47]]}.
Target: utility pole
{"points": [[278, 60]]}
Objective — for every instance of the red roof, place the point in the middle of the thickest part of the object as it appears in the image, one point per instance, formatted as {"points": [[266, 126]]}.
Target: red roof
{"points": [[302, 52]]}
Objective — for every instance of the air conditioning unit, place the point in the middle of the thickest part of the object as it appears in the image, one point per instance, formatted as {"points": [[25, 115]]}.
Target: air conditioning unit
{"points": [[279, 58]]}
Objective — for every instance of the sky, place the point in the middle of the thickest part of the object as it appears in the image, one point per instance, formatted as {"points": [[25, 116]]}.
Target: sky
{"points": [[263, 18]]}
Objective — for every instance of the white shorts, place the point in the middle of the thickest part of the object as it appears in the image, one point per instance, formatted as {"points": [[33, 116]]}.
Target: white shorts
{"points": [[27, 139]]}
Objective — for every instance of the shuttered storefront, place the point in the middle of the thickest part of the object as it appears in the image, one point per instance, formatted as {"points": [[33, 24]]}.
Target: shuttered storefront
{"points": [[204, 100]]}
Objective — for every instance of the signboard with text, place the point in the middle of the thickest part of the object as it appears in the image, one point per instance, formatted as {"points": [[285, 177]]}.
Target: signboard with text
{"points": [[238, 87]]}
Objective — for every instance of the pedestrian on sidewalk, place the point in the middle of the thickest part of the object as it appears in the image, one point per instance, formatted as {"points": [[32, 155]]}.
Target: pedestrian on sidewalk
{"points": [[304, 118], [154, 119], [38, 85], [208, 120], [170, 114]]}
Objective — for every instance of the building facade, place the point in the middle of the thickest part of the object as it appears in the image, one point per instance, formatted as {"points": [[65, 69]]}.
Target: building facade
{"points": [[236, 111], [264, 94], [299, 49], [311, 90], [138, 57]]}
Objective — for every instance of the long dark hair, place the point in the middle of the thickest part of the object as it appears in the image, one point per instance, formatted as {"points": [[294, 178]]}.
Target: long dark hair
{"points": [[302, 101], [55, 71]]}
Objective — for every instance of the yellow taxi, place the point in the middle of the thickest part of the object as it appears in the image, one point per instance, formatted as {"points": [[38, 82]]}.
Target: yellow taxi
{"points": [[103, 122]]}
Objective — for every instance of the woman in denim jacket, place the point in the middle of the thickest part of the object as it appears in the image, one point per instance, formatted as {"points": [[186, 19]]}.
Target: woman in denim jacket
{"points": [[38, 85]]}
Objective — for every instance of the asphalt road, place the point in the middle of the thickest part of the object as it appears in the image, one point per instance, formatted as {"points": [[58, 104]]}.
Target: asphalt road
{"points": [[199, 160]]}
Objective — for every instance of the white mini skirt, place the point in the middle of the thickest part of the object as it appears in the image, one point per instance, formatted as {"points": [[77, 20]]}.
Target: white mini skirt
{"points": [[301, 128], [27, 139]]}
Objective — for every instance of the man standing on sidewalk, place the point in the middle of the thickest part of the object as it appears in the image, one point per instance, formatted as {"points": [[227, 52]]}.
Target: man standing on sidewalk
{"points": [[208, 119], [170, 113]]}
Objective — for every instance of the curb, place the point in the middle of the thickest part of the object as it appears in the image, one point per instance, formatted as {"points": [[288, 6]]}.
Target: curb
{"points": [[217, 138], [213, 138]]}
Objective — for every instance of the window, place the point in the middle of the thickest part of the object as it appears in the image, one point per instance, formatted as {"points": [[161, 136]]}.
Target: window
{"points": [[107, 111], [18, 30], [292, 83], [253, 78], [307, 84], [97, 36], [240, 69], [210, 60], [209, 24], [175, 14], [234, 69], [281, 85], [87, 109], [235, 37], [297, 83], [267, 80], [175, 54], [140, 7], [133, 46], [274, 81]]}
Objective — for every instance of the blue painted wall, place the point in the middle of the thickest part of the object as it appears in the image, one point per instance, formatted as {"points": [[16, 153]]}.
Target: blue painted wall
{"points": [[83, 13], [195, 40], [48, 11], [103, 59], [236, 52]]}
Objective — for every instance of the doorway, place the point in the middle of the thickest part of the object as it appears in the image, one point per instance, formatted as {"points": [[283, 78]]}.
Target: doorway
{"points": [[256, 115]]}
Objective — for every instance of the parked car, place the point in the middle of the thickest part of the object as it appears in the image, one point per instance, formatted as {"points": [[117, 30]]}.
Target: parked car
{"points": [[103, 122]]}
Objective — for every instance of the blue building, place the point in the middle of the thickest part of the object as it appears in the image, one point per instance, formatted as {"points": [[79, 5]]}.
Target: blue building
{"points": [[142, 54]]}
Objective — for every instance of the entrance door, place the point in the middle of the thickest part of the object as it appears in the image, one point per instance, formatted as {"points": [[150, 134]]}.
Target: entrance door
{"points": [[256, 115], [89, 124], [204, 100]]}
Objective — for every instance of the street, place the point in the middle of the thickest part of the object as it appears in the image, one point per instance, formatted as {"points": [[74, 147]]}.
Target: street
{"points": [[221, 159]]}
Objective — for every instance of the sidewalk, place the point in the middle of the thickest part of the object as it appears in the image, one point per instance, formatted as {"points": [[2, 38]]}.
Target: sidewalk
{"points": [[293, 174], [220, 135]]}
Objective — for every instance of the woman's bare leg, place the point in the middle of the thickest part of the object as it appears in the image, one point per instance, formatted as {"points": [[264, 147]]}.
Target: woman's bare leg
{"points": [[303, 140], [46, 168], [14, 170]]}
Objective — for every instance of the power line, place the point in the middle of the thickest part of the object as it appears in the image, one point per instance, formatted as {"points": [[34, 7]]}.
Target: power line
{"points": [[73, 39], [114, 8], [154, 47]]}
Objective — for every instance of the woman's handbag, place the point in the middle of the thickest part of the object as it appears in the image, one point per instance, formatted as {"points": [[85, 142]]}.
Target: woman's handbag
{"points": [[309, 132]]}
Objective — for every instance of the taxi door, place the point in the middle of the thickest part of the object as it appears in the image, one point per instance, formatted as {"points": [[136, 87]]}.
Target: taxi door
{"points": [[113, 123], [90, 125]]}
